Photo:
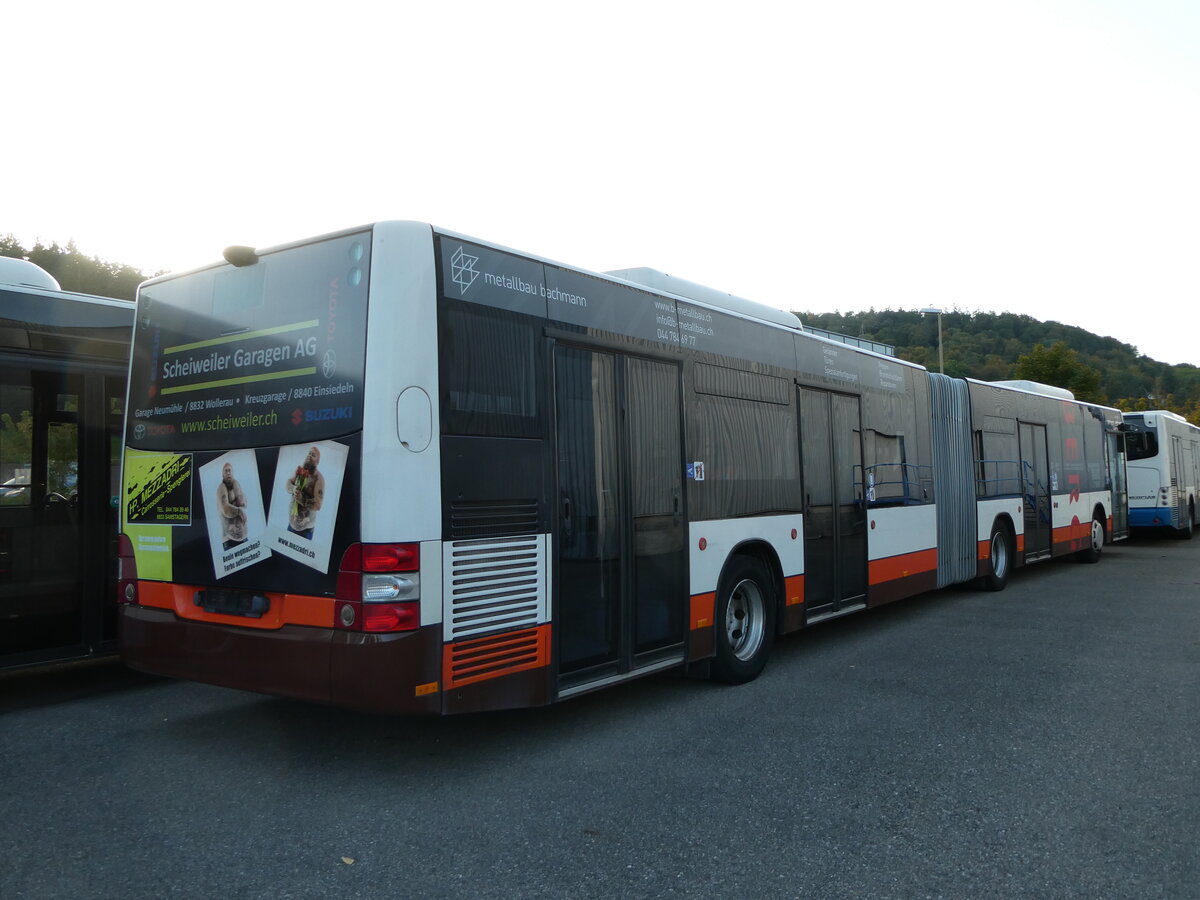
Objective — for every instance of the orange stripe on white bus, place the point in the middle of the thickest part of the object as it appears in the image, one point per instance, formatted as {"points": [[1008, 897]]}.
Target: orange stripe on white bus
{"points": [[902, 566], [702, 607], [285, 609], [793, 590]]}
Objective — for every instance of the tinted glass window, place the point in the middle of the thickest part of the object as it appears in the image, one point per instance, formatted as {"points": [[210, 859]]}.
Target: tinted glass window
{"points": [[16, 440], [750, 455], [1141, 445], [271, 353], [490, 368]]}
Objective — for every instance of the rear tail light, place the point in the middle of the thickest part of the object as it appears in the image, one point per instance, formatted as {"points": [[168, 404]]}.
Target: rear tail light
{"points": [[379, 588], [127, 591]]}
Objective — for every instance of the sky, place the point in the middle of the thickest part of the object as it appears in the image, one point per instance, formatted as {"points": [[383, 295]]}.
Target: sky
{"points": [[1039, 158]]}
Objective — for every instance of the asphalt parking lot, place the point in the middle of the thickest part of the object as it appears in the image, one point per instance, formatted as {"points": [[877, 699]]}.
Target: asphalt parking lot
{"points": [[1043, 741]]}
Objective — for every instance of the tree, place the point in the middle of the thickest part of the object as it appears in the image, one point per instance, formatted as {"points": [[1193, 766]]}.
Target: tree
{"points": [[1060, 366], [10, 246]]}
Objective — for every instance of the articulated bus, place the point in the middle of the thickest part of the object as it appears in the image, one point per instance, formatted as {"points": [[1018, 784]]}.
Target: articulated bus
{"points": [[1164, 471], [63, 361], [403, 470]]}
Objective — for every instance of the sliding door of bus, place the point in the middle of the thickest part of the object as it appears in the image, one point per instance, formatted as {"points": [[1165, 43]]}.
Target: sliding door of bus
{"points": [[59, 442], [1120, 488], [621, 533], [835, 518], [1036, 479], [39, 511]]}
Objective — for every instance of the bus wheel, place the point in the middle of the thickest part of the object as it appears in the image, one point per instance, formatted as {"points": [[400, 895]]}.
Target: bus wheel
{"points": [[744, 620], [1091, 553], [1000, 559]]}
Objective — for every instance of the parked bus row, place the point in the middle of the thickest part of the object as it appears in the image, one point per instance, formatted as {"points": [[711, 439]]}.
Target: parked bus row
{"points": [[404, 470], [572, 478]]}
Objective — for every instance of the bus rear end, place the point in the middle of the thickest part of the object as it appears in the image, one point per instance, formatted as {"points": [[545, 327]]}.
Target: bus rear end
{"points": [[246, 557]]}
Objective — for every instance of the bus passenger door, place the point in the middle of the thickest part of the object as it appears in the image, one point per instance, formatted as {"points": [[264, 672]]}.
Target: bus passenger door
{"points": [[1036, 480], [1120, 490], [835, 534], [40, 588], [621, 535]]}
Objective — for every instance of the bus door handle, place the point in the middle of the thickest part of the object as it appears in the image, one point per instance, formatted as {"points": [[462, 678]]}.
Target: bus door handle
{"points": [[566, 515], [676, 511]]}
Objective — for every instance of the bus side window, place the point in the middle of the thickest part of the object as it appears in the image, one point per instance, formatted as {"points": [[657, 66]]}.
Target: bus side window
{"points": [[490, 373], [16, 448]]}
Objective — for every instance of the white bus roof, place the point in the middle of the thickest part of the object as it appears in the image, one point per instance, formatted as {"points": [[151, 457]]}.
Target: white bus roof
{"points": [[23, 272], [1035, 387], [1165, 413]]}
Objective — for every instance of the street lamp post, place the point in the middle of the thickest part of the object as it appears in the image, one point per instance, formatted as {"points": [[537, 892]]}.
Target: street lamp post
{"points": [[934, 309]]}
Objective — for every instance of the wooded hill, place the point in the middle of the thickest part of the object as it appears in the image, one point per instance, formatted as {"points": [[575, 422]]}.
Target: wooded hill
{"points": [[987, 346], [1003, 346]]}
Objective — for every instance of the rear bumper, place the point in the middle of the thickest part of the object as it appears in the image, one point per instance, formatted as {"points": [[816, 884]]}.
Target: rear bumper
{"points": [[1150, 517], [384, 673]]}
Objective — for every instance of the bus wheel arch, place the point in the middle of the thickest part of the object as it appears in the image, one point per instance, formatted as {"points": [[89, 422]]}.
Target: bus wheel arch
{"points": [[745, 615], [1002, 554], [1097, 536]]}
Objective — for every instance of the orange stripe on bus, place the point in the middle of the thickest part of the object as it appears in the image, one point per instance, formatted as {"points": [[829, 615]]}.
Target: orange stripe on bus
{"points": [[481, 659], [902, 566], [702, 610], [1074, 531], [793, 590], [285, 609]]}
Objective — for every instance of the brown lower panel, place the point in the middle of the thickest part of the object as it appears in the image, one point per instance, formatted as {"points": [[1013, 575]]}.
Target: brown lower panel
{"points": [[292, 661], [899, 588], [701, 643], [530, 687], [793, 618], [387, 673], [394, 673]]}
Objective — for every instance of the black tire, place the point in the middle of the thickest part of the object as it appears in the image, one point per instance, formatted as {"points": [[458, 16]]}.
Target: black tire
{"points": [[1091, 553], [744, 621], [1000, 558]]}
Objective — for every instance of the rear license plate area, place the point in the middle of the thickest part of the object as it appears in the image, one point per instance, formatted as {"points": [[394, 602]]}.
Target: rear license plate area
{"points": [[232, 603]]}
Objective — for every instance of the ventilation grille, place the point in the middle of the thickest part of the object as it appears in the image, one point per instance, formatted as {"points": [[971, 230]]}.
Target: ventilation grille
{"points": [[499, 518], [497, 584], [491, 657]]}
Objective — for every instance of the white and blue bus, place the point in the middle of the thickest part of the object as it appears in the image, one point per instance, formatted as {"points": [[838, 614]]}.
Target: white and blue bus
{"points": [[1164, 471], [399, 469]]}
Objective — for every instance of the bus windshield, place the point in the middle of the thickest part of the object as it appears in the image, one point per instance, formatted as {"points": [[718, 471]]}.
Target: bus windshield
{"points": [[252, 356]]}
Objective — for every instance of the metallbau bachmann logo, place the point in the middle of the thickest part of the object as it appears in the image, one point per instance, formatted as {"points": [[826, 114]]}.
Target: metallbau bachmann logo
{"points": [[462, 269]]}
